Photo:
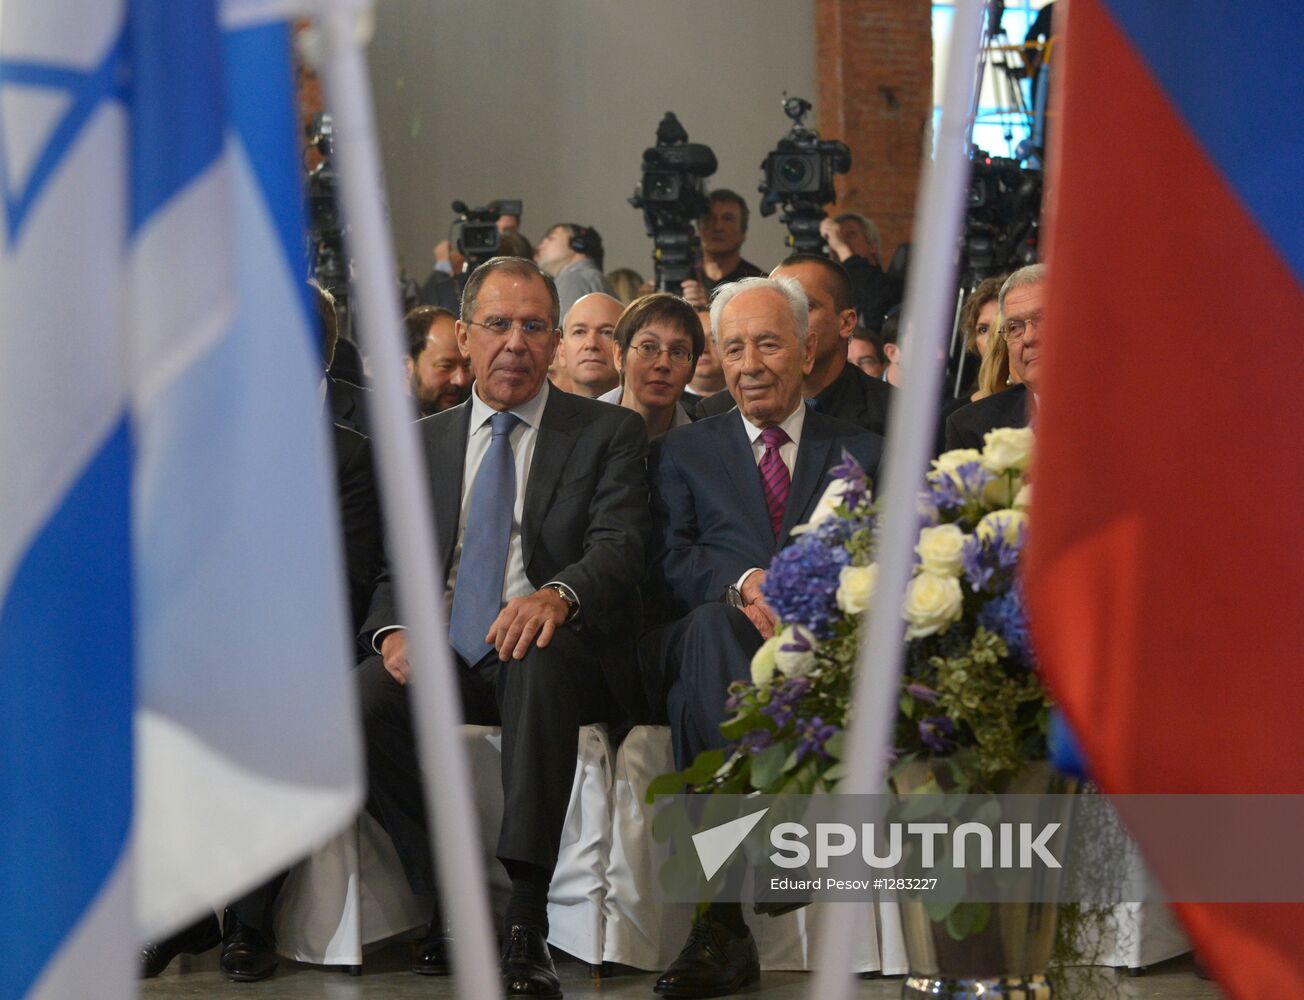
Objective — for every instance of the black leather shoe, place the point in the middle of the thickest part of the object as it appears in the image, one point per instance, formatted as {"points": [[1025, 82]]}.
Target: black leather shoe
{"points": [[714, 963], [430, 957], [198, 937], [247, 956], [527, 965]]}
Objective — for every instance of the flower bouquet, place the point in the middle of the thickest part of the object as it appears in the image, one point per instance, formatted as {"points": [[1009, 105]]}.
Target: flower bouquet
{"points": [[971, 706]]}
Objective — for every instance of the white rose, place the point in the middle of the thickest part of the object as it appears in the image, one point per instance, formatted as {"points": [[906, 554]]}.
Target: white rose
{"points": [[940, 549], [794, 654], [1023, 499], [1007, 448], [949, 461], [827, 506], [933, 603], [764, 662], [856, 587], [1003, 522], [1001, 491]]}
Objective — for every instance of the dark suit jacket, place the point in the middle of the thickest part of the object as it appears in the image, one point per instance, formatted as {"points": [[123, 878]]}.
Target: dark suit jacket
{"points": [[585, 521], [710, 521], [967, 425], [852, 396], [359, 518], [348, 404]]}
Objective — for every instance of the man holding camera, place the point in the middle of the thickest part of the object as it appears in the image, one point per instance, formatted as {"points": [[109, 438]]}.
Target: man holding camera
{"points": [[572, 255], [722, 231]]}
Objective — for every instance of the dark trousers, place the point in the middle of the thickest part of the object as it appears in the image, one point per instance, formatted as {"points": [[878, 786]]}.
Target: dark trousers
{"points": [[701, 655], [540, 702], [255, 908]]}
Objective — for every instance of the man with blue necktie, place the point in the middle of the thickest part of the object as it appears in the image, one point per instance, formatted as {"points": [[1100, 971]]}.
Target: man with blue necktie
{"points": [[541, 518], [726, 493]]}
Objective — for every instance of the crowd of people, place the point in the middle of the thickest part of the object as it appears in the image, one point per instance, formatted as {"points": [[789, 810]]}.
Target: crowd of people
{"points": [[610, 475]]}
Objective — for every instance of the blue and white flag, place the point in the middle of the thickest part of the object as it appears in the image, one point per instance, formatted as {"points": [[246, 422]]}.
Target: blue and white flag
{"points": [[169, 558]]}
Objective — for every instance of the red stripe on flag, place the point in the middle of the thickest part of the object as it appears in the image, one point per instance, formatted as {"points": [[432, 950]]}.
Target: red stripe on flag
{"points": [[1164, 567]]}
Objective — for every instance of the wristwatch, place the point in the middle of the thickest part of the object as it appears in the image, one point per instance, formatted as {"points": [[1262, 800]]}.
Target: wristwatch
{"points": [[734, 598], [572, 605]]}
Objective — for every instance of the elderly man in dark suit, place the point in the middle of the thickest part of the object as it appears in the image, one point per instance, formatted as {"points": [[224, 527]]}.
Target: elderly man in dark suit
{"points": [[1022, 303], [832, 386], [727, 492], [541, 517]]}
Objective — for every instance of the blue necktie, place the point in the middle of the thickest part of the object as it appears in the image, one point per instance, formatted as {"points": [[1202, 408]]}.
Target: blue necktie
{"points": [[478, 592]]}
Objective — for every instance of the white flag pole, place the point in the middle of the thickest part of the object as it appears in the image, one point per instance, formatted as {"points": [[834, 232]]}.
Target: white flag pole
{"points": [[930, 304], [411, 548]]}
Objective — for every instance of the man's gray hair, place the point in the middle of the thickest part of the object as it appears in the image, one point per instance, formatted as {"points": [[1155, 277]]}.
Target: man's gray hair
{"points": [[789, 288], [867, 224], [1033, 274]]}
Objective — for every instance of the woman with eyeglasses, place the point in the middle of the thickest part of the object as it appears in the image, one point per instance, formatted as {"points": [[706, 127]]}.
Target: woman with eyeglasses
{"points": [[658, 340]]}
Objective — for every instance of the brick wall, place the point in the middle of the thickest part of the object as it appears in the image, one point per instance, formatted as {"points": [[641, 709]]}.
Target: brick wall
{"points": [[875, 64]]}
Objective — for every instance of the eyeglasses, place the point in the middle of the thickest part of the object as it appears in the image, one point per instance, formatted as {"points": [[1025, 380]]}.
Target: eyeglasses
{"points": [[501, 326], [1015, 329], [649, 351]]}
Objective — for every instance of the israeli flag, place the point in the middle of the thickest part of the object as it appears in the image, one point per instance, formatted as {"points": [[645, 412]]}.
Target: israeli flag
{"points": [[169, 556]]}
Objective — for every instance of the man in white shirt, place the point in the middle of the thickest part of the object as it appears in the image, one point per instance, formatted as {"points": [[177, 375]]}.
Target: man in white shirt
{"points": [[726, 493]]}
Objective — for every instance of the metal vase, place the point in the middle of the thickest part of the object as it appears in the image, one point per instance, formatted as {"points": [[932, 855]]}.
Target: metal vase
{"points": [[1008, 959]]}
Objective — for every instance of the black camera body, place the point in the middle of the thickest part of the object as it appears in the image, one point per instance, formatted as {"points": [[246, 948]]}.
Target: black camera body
{"points": [[1002, 218], [328, 264], [672, 195], [798, 175], [478, 238]]}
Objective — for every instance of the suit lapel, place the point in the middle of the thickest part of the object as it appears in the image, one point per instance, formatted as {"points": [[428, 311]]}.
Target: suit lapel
{"points": [[557, 435], [740, 465], [446, 448], [812, 462]]}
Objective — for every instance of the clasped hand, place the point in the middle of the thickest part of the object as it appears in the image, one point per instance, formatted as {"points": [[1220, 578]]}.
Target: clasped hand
{"points": [[757, 611]]}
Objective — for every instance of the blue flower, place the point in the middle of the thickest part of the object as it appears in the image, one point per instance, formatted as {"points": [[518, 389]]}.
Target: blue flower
{"points": [[782, 706], [755, 740], [802, 583], [921, 691], [943, 492], [813, 734], [973, 477], [1004, 616], [937, 733], [975, 559]]}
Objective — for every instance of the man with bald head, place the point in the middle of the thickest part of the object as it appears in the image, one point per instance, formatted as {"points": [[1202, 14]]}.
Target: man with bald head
{"points": [[587, 352], [726, 493]]}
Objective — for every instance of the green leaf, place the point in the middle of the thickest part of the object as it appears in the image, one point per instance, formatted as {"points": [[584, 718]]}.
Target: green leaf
{"points": [[836, 744], [967, 919], [665, 784], [768, 765]]}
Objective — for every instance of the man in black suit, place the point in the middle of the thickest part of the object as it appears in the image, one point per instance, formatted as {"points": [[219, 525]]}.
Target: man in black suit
{"points": [[833, 386], [541, 517], [726, 493], [1022, 304]]}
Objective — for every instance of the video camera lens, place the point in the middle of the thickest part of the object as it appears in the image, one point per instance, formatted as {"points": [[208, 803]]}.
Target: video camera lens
{"points": [[795, 173]]}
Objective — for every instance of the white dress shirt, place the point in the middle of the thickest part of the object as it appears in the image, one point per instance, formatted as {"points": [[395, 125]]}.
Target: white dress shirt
{"points": [[792, 425]]}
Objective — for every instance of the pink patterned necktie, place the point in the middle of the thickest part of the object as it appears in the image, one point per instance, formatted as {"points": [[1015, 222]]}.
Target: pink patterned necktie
{"points": [[775, 480]]}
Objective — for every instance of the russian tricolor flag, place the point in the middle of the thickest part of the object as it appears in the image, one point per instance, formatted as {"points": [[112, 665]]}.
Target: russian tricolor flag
{"points": [[174, 686], [1166, 582]]}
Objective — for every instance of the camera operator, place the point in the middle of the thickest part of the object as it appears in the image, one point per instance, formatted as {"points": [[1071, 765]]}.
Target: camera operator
{"points": [[722, 230], [854, 240], [572, 255]]}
